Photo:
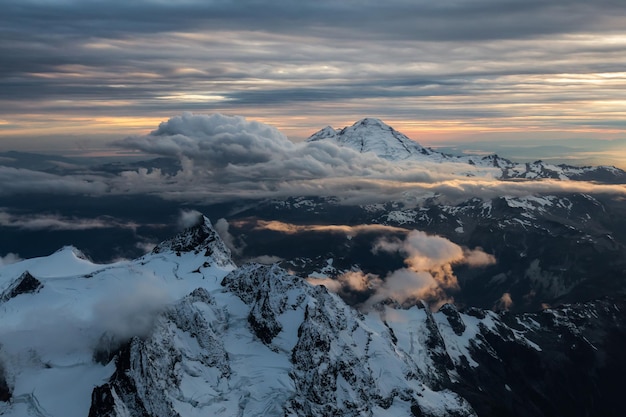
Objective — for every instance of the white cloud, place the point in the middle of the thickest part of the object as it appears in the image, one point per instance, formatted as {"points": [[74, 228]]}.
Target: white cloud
{"points": [[214, 141], [266, 259], [228, 157], [132, 312], [429, 274], [350, 282], [221, 227], [188, 218], [9, 258]]}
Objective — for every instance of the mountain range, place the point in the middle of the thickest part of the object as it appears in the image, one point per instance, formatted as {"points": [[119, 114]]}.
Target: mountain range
{"points": [[373, 135], [182, 331], [507, 303]]}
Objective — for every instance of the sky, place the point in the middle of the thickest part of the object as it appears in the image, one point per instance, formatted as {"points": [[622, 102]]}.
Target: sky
{"points": [[76, 75]]}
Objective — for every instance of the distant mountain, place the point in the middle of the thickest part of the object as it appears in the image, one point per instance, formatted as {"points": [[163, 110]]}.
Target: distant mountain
{"points": [[373, 135], [184, 332], [550, 249]]}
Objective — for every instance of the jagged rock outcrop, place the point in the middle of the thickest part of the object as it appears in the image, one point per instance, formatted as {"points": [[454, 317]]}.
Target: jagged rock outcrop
{"points": [[266, 290], [403, 361], [258, 340], [5, 390], [25, 284], [199, 238], [149, 372]]}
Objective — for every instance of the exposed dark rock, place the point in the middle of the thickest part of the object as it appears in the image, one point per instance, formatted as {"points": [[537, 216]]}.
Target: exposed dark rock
{"points": [[25, 284], [573, 369], [258, 285], [199, 238], [121, 389], [5, 390], [454, 318]]}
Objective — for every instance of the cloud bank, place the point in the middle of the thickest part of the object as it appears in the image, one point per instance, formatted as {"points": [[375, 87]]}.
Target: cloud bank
{"points": [[18, 181], [459, 66], [429, 274], [229, 157], [57, 222]]}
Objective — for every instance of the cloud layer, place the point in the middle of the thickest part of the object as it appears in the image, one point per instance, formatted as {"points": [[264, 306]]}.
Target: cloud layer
{"points": [[226, 158], [57, 222], [453, 68]]}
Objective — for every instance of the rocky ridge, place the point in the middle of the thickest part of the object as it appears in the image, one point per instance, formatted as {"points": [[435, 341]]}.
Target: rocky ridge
{"points": [[256, 340]]}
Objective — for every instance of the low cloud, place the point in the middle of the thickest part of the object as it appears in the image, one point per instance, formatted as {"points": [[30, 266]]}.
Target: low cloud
{"points": [[9, 258], [228, 157], [56, 222], [266, 259], [504, 303], [146, 246], [221, 227], [114, 317], [215, 141], [131, 313], [290, 228], [429, 274], [352, 281], [18, 181], [188, 218]]}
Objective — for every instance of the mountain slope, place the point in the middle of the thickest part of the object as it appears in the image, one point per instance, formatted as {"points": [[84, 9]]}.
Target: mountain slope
{"points": [[372, 135], [182, 332]]}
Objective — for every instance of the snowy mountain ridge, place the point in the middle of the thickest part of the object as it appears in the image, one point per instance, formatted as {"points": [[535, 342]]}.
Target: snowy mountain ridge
{"points": [[373, 135], [182, 332]]}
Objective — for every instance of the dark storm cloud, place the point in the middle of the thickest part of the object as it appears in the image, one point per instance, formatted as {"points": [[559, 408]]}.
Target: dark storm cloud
{"points": [[458, 20], [124, 58]]}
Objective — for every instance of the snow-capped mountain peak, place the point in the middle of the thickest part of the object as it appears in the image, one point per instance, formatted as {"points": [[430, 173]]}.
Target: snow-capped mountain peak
{"points": [[200, 237], [373, 135]]}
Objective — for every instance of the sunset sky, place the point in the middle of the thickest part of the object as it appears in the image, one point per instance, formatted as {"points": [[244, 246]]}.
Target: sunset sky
{"points": [[79, 74]]}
